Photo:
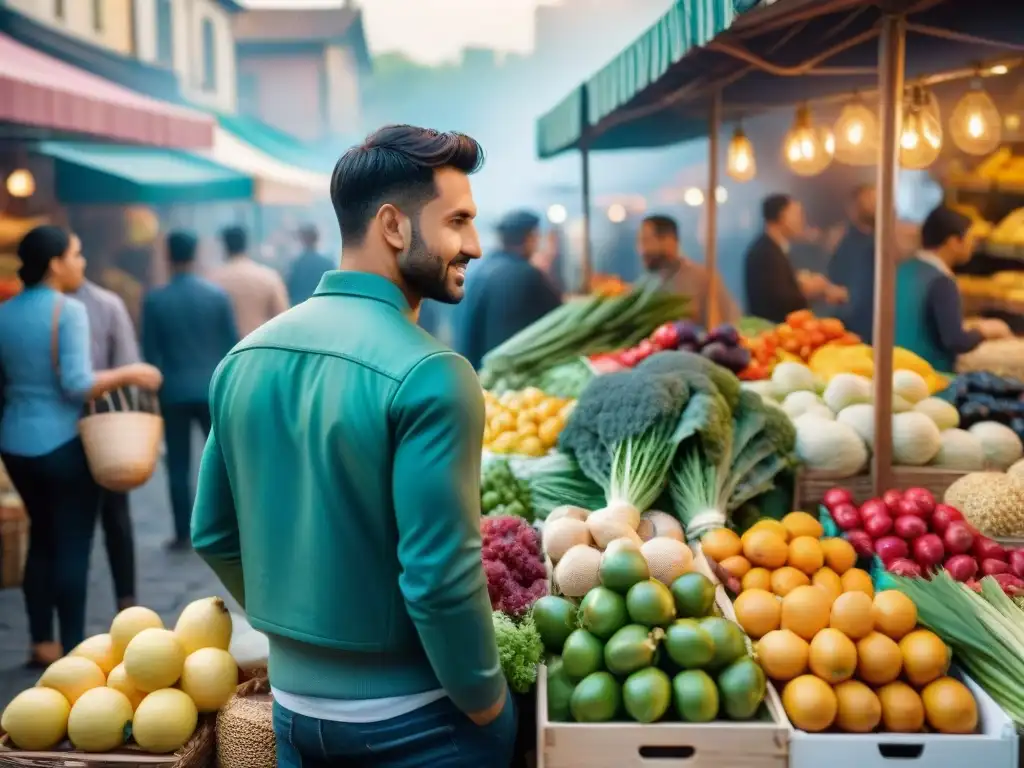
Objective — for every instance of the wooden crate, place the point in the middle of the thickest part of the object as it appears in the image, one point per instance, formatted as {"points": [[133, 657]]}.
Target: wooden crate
{"points": [[811, 486]]}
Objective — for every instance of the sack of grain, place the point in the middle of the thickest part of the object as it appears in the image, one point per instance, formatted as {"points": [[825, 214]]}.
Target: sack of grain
{"points": [[245, 728]]}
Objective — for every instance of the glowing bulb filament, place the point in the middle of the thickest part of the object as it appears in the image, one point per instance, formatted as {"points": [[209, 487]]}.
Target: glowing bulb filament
{"points": [[855, 134], [975, 125]]}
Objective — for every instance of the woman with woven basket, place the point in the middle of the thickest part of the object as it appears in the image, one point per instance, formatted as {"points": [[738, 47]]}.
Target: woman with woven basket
{"points": [[46, 375]]}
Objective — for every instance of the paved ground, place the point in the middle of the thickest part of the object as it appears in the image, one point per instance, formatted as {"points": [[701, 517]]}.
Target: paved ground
{"points": [[166, 583]]}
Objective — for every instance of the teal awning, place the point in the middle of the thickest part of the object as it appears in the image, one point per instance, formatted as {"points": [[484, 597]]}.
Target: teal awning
{"points": [[689, 24], [278, 144], [104, 174]]}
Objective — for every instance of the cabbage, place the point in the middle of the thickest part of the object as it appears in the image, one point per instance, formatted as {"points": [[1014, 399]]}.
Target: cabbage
{"points": [[1001, 445], [915, 439], [798, 403], [829, 446], [861, 417], [944, 414], [847, 389], [910, 386], [792, 377], [960, 450]]}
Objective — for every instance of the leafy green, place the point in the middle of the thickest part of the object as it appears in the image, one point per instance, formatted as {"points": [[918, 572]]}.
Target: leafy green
{"points": [[520, 650]]}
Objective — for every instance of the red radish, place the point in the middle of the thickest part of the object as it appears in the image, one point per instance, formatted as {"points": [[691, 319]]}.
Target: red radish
{"points": [[862, 543], [890, 548], [878, 525], [991, 566], [836, 496], [958, 538], [923, 497], [892, 499], [985, 549], [943, 516], [872, 507], [962, 567], [846, 516], [973, 584], [911, 507], [909, 527], [1011, 584], [1017, 562], [904, 567], [928, 551]]}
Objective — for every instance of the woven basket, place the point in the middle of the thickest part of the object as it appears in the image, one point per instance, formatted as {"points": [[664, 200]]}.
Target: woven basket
{"points": [[14, 525], [122, 446], [245, 728], [197, 753]]}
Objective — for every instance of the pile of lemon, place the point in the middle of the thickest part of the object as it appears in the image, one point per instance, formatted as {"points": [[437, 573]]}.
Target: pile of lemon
{"points": [[526, 422]]}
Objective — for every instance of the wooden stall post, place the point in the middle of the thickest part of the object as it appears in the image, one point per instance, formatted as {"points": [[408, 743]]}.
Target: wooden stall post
{"points": [[891, 57], [711, 201], [586, 264]]}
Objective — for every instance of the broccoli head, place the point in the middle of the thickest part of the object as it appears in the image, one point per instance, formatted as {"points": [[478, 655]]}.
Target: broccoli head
{"points": [[697, 370]]}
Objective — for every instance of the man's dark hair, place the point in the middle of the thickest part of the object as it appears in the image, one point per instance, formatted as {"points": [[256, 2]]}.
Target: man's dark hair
{"points": [[663, 226], [235, 240], [773, 206], [395, 164], [181, 247], [860, 189], [943, 223], [309, 235], [515, 228]]}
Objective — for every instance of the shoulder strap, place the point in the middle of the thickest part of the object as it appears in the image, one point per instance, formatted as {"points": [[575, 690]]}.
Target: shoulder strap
{"points": [[55, 336]]}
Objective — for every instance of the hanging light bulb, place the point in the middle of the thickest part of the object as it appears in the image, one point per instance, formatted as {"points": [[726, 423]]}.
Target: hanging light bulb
{"points": [[740, 162], [808, 148], [21, 183], [921, 137], [856, 134], [975, 123]]}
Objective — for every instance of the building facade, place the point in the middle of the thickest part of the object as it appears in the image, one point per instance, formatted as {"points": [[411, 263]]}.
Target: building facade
{"points": [[107, 23]]}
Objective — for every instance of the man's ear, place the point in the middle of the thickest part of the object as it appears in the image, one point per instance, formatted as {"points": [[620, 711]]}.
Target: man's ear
{"points": [[395, 226]]}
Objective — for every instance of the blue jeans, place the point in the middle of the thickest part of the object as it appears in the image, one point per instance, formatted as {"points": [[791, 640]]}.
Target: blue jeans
{"points": [[435, 736]]}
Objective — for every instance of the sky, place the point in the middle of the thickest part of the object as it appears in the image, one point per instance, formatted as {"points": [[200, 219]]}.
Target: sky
{"points": [[433, 31]]}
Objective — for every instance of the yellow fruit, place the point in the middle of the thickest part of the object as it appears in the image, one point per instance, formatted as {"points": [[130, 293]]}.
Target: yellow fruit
{"points": [[128, 623], [720, 544], [805, 554], [549, 431], [526, 426], [802, 524], [758, 612], [531, 396], [852, 615], [98, 648], [949, 706], [805, 611], [164, 721], [118, 680], [73, 676], [153, 659], [810, 703], [503, 422], [737, 566], [210, 676], [764, 548], [548, 408], [36, 719], [878, 659], [857, 580], [785, 579], [530, 445], [204, 623], [782, 654], [925, 657], [828, 580], [859, 709], [895, 614], [840, 555], [757, 578], [772, 526], [902, 708], [503, 443], [833, 656], [99, 720]]}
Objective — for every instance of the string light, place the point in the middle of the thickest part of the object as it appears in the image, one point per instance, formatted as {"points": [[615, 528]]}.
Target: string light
{"points": [[740, 163], [21, 183], [975, 124], [856, 134], [557, 214], [808, 148], [616, 213], [693, 197], [921, 138]]}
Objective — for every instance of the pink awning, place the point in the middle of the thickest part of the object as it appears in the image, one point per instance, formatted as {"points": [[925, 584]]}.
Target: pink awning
{"points": [[41, 91]]}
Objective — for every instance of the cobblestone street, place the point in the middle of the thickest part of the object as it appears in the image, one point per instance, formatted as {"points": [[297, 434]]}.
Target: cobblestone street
{"points": [[166, 582]]}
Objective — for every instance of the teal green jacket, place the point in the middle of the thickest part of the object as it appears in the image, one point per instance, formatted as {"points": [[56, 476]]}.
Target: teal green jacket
{"points": [[339, 500]]}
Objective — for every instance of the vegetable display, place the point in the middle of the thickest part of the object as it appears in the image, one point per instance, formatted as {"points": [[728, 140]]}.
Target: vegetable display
{"points": [[526, 422], [720, 345], [982, 396], [503, 494], [992, 502], [564, 380], [520, 650], [796, 339], [516, 576]]}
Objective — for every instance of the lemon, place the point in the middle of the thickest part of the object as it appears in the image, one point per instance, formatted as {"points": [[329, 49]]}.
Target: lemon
{"points": [[531, 446], [503, 443], [527, 429]]}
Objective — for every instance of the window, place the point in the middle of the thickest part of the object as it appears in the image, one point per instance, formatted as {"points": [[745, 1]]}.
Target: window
{"points": [[164, 33], [97, 15], [209, 56], [58, 9]]}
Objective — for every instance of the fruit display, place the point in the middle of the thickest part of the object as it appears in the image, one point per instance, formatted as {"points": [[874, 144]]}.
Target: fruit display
{"points": [[502, 493], [637, 649], [1003, 290], [527, 422], [720, 345], [139, 678], [982, 396], [795, 340]]}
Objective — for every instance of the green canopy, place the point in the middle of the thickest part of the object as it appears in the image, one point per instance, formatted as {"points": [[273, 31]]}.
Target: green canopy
{"points": [[271, 141], [109, 174]]}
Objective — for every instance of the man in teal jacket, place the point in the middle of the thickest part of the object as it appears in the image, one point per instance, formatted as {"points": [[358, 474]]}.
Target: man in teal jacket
{"points": [[339, 496]]}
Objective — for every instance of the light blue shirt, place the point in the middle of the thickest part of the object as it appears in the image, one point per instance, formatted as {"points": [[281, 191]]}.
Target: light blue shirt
{"points": [[40, 408]]}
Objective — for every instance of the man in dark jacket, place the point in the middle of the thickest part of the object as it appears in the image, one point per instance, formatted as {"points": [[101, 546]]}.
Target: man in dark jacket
{"points": [[505, 292], [853, 264], [309, 267]]}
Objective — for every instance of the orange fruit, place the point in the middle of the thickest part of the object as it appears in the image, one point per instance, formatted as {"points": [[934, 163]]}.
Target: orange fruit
{"points": [[758, 612], [902, 708], [805, 611], [772, 526], [895, 613], [828, 580], [878, 659], [833, 656], [764, 548], [857, 580], [949, 706], [859, 709], [785, 579], [810, 703], [758, 578], [802, 524], [805, 554], [840, 555], [737, 565], [925, 657], [720, 544], [852, 615], [782, 654]]}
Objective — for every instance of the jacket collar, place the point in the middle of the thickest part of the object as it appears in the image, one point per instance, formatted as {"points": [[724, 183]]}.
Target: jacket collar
{"points": [[364, 285]]}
